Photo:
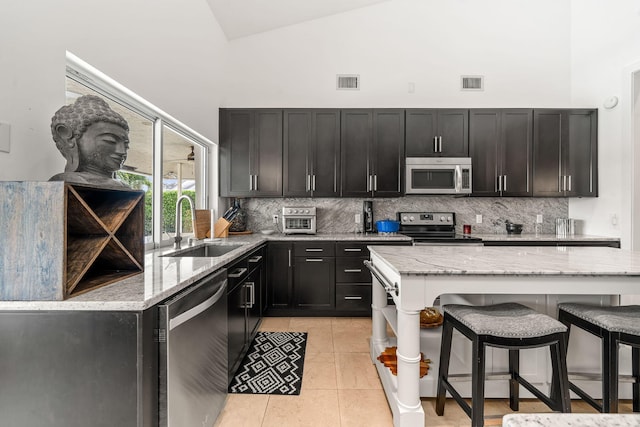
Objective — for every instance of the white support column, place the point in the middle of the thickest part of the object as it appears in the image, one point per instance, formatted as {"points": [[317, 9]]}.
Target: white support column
{"points": [[408, 352]]}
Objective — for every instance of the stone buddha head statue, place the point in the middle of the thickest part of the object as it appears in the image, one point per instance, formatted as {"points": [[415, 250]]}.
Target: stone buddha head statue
{"points": [[94, 139]]}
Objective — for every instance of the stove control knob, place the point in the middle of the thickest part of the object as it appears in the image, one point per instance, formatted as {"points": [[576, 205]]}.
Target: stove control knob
{"points": [[411, 218], [295, 211], [441, 219], [306, 211], [449, 219], [405, 218]]}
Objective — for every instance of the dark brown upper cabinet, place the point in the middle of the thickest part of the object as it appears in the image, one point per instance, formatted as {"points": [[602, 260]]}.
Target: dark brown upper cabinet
{"points": [[311, 153], [250, 152], [565, 154], [372, 152], [437, 133], [500, 146]]}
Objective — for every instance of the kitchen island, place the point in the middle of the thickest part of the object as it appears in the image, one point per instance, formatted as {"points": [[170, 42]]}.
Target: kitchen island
{"points": [[416, 276]]}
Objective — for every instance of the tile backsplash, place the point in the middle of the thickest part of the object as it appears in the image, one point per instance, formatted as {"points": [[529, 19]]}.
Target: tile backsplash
{"points": [[338, 215]]}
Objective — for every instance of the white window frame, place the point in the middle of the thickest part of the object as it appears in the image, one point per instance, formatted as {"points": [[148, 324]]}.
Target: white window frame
{"points": [[94, 79]]}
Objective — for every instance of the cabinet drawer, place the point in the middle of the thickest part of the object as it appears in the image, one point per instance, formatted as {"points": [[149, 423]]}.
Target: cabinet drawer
{"points": [[256, 259], [352, 249], [353, 297], [314, 249], [352, 269]]}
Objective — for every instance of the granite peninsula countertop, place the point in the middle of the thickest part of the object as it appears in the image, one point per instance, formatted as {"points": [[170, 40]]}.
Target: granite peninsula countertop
{"points": [[516, 261], [165, 276], [530, 237]]}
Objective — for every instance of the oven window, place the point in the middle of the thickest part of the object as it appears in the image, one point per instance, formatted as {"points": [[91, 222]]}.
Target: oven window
{"points": [[298, 223], [432, 179]]}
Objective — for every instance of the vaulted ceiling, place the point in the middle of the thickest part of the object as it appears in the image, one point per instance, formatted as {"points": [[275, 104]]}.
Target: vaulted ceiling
{"points": [[241, 18]]}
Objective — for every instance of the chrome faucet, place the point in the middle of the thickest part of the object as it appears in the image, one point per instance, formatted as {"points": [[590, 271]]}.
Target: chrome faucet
{"points": [[178, 238]]}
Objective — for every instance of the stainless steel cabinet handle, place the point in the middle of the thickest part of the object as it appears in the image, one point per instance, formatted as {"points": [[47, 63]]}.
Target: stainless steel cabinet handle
{"points": [[313, 249], [252, 294], [255, 187], [313, 182], [435, 144], [440, 144], [353, 298], [250, 182], [313, 259], [256, 258], [353, 249], [289, 257], [375, 182], [353, 270], [504, 183], [564, 182], [569, 182], [237, 273], [499, 183], [308, 187]]}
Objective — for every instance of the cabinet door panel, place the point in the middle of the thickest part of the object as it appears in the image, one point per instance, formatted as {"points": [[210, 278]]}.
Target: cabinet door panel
{"points": [[314, 280], [547, 129], [579, 153], [267, 161], [326, 153], [421, 128], [484, 134], [279, 289], [356, 136], [236, 148], [388, 152], [516, 146], [453, 128], [297, 153]]}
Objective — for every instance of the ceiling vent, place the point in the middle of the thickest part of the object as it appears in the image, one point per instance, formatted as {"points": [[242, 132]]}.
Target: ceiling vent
{"points": [[472, 83], [348, 81]]}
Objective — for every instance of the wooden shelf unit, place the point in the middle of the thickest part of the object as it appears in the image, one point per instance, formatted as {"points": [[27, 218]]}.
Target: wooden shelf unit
{"points": [[63, 239]]}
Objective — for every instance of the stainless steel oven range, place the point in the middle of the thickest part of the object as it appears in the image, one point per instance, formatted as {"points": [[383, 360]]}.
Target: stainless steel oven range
{"points": [[299, 220], [433, 228]]}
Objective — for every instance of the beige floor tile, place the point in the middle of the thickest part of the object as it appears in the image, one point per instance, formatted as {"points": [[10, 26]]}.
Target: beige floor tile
{"points": [[319, 375], [356, 371], [243, 410], [275, 324], [320, 357], [351, 340], [309, 409], [319, 340], [302, 324], [359, 408]]}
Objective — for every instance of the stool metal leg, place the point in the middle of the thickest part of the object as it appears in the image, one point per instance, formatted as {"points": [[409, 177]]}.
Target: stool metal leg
{"points": [[477, 383], [560, 380], [443, 374], [610, 373], [635, 360], [514, 386]]}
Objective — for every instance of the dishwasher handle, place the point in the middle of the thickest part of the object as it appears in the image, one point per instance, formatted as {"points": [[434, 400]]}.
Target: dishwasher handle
{"points": [[194, 311]]}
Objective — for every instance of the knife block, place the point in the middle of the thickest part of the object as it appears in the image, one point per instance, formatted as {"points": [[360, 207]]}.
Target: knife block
{"points": [[221, 228]]}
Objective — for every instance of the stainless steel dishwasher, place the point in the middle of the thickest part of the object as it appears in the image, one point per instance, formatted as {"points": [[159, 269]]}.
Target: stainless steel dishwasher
{"points": [[193, 354]]}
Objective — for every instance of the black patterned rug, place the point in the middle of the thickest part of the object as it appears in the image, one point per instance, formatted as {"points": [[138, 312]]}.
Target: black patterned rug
{"points": [[273, 364]]}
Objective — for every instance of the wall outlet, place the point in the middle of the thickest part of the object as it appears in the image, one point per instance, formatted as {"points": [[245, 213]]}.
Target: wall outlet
{"points": [[539, 219], [478, 219], [275, 219], [358, 218]]}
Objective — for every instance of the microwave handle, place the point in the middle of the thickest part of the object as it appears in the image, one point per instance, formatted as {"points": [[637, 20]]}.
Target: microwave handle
{"points": [[458, 178]]}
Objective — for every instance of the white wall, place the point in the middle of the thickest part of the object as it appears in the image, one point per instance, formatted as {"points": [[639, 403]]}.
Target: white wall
{"points": [[171, 52], [521, 47], [605, 41]]}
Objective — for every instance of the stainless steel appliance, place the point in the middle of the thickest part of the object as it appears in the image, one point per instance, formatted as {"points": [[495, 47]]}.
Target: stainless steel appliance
{"points": [[438, 175], [299, 220], [193, 354], [367, 214], [433, 228]]}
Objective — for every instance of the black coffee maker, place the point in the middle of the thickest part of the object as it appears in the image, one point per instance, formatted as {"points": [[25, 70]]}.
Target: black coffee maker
{"points": [[367, 215]]}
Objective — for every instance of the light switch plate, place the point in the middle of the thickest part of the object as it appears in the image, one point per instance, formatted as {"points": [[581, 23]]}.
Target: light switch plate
{"points": [[5, 137]]}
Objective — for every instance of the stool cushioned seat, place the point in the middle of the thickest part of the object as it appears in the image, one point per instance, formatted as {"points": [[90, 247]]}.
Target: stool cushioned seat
{"points": [[622, 318], [511, 326], [505, 320]]}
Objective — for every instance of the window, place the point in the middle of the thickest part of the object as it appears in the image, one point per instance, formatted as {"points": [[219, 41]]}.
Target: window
{"points": [[166, 159]]}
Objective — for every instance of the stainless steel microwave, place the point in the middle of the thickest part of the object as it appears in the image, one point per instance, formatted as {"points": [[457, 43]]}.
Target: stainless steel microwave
{"points": [[438, 175]]}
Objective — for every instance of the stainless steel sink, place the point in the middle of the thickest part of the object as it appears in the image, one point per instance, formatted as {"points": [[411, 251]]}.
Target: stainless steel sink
{"points": [[204, 251]]}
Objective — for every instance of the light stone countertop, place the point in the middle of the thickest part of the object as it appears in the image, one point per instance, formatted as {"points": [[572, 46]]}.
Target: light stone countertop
{"points": [[514, 260], [515, 238], [571, 420], [166, 276]]}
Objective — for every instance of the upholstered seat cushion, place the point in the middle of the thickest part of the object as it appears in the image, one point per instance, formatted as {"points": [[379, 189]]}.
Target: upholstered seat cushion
{"points": [[624, 318], [509, 320]]}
